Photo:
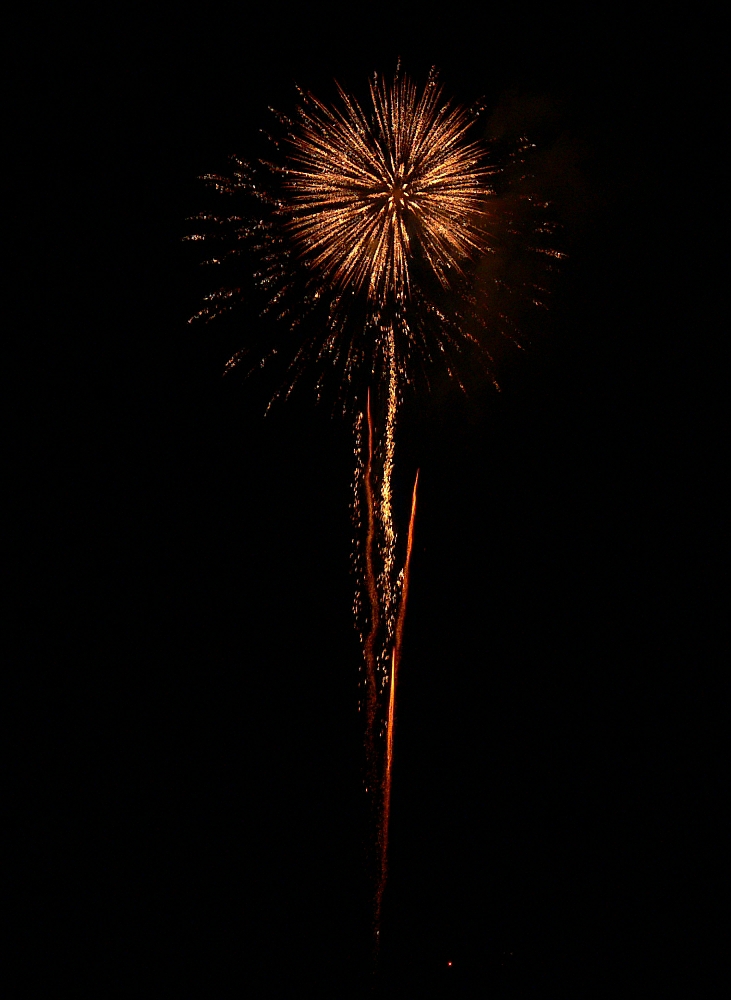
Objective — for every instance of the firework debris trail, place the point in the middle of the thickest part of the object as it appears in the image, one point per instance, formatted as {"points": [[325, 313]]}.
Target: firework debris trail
{"points": [[375, 617], [387, 594]]}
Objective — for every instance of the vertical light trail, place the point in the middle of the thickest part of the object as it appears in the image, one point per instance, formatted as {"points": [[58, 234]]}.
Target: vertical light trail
{"points": [[386, 795], [372, 587], [388, 763], [389, 740], [405, 582], [386, 512]]}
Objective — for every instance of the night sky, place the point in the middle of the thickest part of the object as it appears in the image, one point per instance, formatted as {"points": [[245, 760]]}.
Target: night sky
{"points": [[193, 812]]}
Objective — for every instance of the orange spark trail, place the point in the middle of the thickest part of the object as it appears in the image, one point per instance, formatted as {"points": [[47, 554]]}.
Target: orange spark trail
{"points": [[405, 584], [370, 574]]}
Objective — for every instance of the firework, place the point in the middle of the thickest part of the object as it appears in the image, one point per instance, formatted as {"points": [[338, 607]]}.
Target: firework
{"points": [[370, 194], [369, 233]]}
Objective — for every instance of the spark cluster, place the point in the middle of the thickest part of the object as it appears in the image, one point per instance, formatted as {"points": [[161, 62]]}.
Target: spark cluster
{"points": [[370, 193], [377, 234]]}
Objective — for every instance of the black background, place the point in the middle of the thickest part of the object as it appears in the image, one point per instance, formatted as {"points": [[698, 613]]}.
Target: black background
{"points": [[191, 790]]}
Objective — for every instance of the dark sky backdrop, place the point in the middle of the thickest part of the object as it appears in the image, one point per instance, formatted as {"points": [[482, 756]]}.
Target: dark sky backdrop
{"points": [[195, 816]]}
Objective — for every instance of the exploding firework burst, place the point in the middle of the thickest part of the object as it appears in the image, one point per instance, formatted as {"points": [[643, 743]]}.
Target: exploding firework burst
{"points": [[379, 240], [373, 194], [372, 235]]}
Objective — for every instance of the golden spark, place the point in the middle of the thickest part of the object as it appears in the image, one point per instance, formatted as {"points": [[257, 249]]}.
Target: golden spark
{"points": [[371, 193]]}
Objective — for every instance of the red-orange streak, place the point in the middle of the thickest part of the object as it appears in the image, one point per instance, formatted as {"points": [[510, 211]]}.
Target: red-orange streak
{"points": [[371, 585], [405, 585], [395, 656]]}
